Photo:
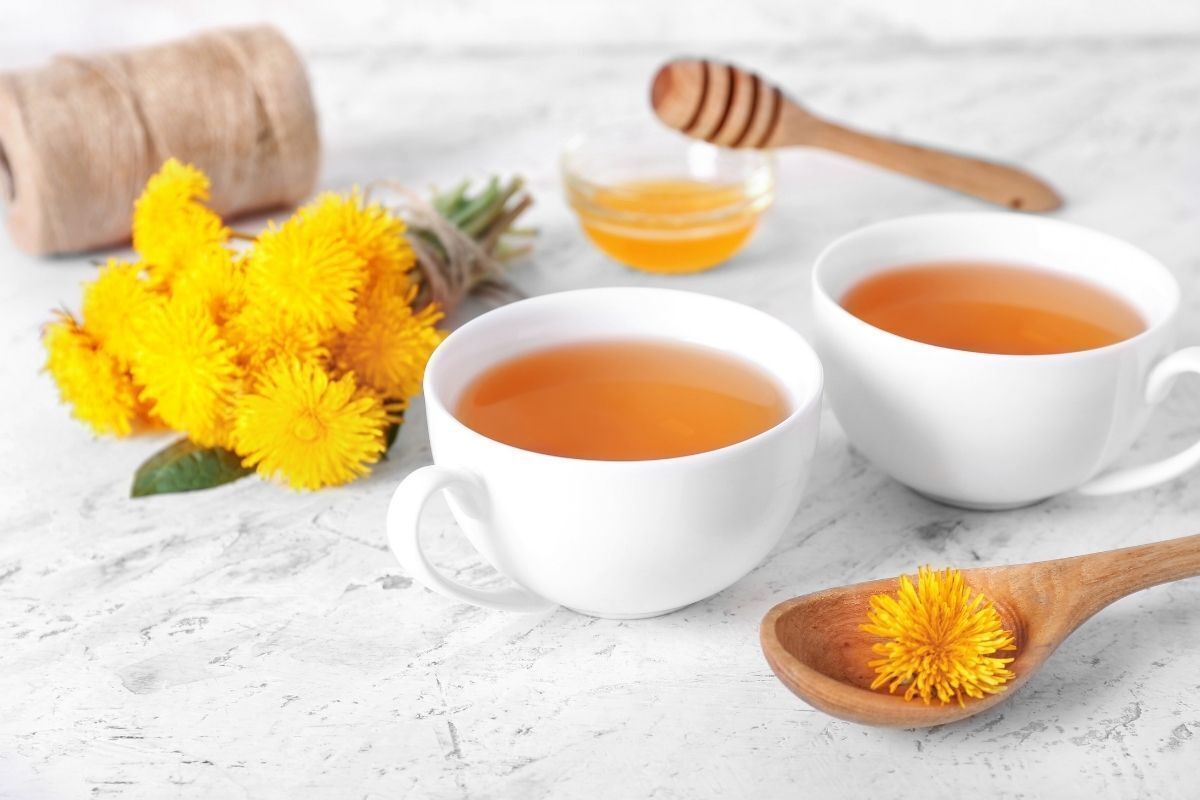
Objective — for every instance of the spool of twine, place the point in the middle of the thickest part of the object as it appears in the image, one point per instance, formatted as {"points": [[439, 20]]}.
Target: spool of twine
{"points": [[80, 136]]}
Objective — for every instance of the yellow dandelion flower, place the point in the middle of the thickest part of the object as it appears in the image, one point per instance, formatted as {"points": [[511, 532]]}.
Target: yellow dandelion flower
{"points": [[171, 222], [390, 344], [187, 370], [940, 640], [262, 336], [307, 273], [215, 277], [99, 391], [113, 307], [309, 429], [371, 231]]}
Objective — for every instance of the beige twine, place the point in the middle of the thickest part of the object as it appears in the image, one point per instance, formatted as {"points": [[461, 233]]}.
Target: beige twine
{"points": [[80, 136], [458, 265]]}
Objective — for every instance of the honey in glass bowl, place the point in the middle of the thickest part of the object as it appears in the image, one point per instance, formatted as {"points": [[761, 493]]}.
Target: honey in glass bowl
{"points": [[655, 200]]}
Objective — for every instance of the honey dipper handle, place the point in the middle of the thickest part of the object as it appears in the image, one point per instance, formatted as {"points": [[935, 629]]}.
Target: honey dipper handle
{"points": [[733, 107], [1006, 186]]}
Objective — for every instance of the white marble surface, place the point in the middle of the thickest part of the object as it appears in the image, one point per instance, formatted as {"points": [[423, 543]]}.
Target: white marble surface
{"points": [[252, 642]]}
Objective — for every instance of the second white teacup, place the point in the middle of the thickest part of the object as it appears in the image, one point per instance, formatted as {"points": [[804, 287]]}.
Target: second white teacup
{"points": [[983, 430]]}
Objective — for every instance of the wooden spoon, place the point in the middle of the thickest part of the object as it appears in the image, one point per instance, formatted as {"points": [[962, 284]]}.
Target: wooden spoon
{"points": [[733, 107], [814, 646]]}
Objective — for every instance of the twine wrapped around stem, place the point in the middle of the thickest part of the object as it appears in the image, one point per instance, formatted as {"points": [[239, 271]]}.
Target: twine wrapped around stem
{"points": [[462, 239]]}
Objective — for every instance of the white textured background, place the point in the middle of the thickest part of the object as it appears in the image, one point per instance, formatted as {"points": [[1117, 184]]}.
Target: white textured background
{"points": [[450, 26], [249, 642]]}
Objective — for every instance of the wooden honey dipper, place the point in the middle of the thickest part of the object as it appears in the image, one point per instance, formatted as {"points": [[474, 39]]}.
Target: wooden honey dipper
{"points": [[733, 107]]}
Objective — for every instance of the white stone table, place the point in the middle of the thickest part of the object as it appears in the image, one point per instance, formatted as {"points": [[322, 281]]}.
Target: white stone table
{"points": [[253, 642]]}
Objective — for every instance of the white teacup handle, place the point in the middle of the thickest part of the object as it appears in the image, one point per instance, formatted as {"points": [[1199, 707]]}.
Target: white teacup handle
{"points": [[1159, 383], [404, 536]]}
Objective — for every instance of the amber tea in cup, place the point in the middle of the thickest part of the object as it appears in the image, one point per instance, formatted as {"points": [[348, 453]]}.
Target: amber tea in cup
{"points": [[993, 308], [622, 400], [551, 425], [994, 360]]}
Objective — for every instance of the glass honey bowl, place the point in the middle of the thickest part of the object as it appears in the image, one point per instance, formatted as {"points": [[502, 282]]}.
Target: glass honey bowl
{"points": [[658, 201]]}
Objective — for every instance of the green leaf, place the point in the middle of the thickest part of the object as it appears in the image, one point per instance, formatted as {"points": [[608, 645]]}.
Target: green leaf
{"points": [[185, 467], [389, 438]]}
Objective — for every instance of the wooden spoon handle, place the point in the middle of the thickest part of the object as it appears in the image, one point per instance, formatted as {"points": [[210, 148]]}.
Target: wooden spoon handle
{"points": [[1102, 578], [733, 107]]}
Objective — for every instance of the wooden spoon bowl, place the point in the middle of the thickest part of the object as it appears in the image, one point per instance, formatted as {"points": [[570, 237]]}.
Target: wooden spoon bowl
{"points": [[814, 645]]}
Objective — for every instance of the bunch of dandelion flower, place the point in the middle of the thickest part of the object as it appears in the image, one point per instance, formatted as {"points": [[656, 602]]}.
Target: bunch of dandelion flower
{"points": [[293, 356], [314, 284], [941, 640]]}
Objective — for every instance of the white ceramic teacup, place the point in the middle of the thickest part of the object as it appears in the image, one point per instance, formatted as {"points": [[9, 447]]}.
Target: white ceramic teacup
{"points": [[618, 539], [996, 431]]}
